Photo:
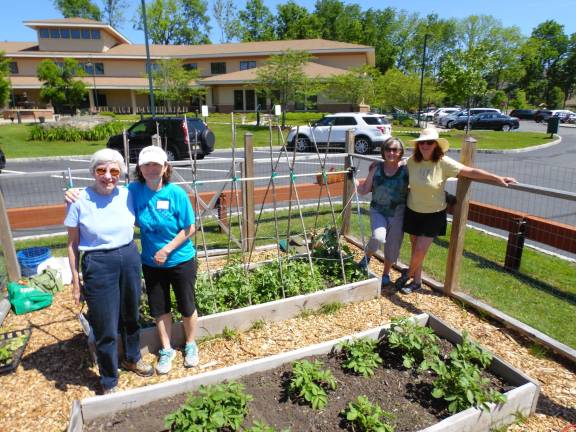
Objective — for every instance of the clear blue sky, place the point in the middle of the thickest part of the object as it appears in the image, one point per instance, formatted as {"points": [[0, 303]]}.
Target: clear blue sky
{"points": [[526, 14]]}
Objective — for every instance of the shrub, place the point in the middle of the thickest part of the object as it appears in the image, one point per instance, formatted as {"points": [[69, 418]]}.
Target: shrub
{"points": [[69, 133]]}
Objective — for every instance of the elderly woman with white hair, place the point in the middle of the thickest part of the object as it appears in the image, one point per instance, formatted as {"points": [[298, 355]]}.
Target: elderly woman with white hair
{"points": [[101, 227]]}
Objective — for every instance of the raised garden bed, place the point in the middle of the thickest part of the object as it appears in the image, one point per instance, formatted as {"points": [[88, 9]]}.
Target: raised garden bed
{"points": [[244, 317], [266, 379]]}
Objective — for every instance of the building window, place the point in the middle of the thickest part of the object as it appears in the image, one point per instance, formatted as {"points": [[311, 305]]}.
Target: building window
{"points": [[75, 34], [190, 66], [13, 68], [218, 68], [65, 33], [54, 34], [93, 68], [250, 96], [85, 34], [95, 34], [247, 65], [44, 33]]}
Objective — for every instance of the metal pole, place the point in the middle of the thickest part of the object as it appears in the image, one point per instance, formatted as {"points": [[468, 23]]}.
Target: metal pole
{"points": [[148, 63], [422, 78]]}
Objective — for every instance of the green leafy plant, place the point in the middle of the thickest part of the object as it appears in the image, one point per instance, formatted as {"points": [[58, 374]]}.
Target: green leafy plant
{"points": [[460, 381], [214, 407], [69, 133], [366, 417], [418, 344], [330, 308], [9, 348], [258, 324], [361, 356], [309, 382]]}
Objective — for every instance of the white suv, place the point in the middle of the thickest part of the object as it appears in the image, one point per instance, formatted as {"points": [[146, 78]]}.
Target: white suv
{"points": [[370, 130]]}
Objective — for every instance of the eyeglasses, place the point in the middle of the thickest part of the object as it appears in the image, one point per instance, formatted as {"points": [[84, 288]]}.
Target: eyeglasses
{"points": [[392, 150], [114, 172], [429, 142]]}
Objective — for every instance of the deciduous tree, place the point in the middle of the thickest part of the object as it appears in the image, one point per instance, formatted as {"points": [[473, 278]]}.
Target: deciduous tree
{"points": [[78, 8], [282, 78], [4, 82], [257, 22], [61, 86], [226, 17], [174, 85], [173, 22], [295, 22], [113, 12]]}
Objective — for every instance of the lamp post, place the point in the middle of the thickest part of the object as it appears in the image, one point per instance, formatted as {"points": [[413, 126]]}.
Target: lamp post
{"points": [[422, 78], [148, 63], [93, 66]]}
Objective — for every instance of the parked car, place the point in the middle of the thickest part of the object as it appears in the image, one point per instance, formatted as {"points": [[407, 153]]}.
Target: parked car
{"points": [[371, 131], [492, 121], [523, 114], [448, 121], [565, 116], [2, 160], [544, 114], [443, 112], [171, 133]]}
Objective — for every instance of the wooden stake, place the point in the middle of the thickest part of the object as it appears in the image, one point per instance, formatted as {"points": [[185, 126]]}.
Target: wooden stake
{"points": [[12, 266], [248, 194], [348, 184]]}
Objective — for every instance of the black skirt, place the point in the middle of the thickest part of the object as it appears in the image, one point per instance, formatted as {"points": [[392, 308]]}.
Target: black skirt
{"points": [[425, 224]]}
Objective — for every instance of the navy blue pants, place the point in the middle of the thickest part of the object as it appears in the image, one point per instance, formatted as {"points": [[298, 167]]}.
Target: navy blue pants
{"points": [[112, 287]]}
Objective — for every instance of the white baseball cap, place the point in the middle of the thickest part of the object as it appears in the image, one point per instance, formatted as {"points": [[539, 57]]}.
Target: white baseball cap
{"points": [[152, 154]]}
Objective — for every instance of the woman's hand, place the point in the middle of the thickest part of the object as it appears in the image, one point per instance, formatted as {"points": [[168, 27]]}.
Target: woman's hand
{"points": [[161, 256], [505, 181], [71, 195]]}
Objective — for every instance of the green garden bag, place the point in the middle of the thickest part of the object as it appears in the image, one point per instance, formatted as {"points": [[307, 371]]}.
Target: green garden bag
{"points": [[25, 298], [47, 281]]}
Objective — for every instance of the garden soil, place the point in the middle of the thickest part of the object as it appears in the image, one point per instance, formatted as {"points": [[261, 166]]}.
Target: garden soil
{"points": [[56, 368]]}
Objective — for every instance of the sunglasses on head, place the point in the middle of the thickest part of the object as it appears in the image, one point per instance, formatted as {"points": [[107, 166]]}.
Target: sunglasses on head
{"points": [[114, 172], [428, 142]]}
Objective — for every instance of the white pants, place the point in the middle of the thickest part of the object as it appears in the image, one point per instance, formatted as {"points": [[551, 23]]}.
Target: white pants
{"points": [[386, 230]]}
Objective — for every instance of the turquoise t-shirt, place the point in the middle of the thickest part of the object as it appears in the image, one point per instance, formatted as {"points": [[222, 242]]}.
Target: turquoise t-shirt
{"points": [[389, 192], [161, 216], [105, 221]]}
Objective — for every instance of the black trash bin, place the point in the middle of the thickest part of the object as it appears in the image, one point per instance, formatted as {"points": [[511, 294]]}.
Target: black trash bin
{"points": [[553, 125]]}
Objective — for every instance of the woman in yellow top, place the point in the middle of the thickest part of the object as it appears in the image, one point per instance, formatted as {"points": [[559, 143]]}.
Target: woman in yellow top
{"points": [[425, 215]]}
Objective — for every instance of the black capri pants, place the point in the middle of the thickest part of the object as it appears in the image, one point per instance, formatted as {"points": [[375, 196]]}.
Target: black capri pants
{"points": [[181, 277]]}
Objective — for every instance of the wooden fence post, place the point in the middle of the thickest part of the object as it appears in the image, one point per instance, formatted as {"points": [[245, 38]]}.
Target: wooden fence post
{"points": [[12, 266], [248, 220], [222, 207], [515, 245], [456, 247], [348, 184]]}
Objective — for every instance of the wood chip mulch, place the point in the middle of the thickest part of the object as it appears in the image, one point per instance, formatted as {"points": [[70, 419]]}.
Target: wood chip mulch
{"points": [[56, 369]]}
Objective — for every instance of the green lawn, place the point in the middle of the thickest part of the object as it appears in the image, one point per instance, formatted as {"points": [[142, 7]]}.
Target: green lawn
{"points": [[542, 294], [15, 144]]}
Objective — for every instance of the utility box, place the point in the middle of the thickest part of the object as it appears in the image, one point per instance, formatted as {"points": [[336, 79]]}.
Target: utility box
{"points": [[553, 123]]}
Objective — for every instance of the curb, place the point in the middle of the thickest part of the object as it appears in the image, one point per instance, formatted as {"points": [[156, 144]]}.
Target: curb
{"points": [[557, 140]]}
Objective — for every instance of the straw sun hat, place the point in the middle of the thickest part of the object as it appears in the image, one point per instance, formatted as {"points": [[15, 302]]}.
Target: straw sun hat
{"points": [[431, 134]]}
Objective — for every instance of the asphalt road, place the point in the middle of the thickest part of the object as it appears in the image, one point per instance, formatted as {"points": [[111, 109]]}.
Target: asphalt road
{"points": [[552, 167]]}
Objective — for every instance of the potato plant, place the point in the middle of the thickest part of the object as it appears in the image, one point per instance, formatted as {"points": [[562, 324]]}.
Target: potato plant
{"points": [[310, 381], [419, 345], [361, 356], [366, 417], [214, 407]]}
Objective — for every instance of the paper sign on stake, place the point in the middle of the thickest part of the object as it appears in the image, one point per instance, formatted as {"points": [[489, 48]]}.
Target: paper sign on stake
{"points": [[204, 110], [277, 110]]}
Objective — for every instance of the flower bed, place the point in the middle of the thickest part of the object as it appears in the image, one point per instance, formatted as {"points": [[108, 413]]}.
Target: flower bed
{"points": [[285, 405]]}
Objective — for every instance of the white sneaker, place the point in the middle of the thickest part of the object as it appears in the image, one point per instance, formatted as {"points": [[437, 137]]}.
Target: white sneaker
{"points": [[165, 361], [191, 357]]}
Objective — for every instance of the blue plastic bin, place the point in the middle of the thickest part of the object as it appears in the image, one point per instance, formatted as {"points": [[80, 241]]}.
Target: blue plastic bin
{"points": [[30, 258]]}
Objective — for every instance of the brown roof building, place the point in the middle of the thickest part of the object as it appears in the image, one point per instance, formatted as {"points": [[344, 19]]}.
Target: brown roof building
{"points": [[116, 69]]}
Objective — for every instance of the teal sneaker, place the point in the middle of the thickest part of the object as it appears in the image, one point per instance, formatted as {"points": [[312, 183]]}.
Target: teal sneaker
{"points": [[191, 357], [385, 281], [165, 361]]}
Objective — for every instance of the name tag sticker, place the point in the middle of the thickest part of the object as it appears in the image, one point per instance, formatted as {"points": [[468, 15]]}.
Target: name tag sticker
{"points": [[162, 205]]}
